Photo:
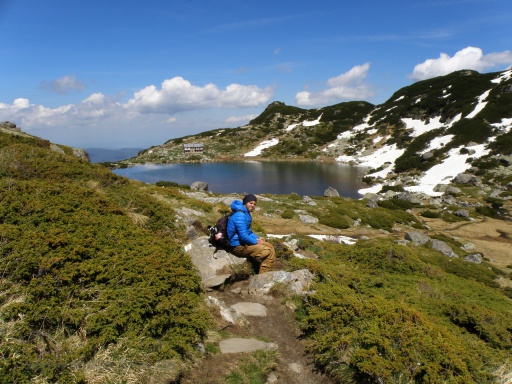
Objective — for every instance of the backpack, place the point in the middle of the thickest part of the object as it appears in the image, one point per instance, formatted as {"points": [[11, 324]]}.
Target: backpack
{"points": [[219, 233]]}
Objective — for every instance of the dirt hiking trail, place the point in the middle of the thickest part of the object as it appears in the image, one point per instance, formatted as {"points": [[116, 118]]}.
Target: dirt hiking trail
{"points": [[278, 327]]}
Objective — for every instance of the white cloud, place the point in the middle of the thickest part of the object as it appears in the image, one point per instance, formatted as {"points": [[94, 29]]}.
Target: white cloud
{"points": [[240, 119], [178, 95], [63, 85], [100, 118], [467, 58], [347, 86]]}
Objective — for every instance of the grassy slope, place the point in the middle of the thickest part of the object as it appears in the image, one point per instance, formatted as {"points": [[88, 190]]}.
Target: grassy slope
{"points": [[80, 277]]}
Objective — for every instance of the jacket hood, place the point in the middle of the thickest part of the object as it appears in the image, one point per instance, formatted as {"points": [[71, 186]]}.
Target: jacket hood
{"points": [[238, 206]]}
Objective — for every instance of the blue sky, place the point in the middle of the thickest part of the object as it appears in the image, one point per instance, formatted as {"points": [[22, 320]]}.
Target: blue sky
{"points": [[117, 74]]}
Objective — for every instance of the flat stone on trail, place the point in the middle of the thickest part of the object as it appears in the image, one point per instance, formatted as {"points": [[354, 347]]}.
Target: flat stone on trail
{"points": [[250, 309], [237, 345], [215, 281]]}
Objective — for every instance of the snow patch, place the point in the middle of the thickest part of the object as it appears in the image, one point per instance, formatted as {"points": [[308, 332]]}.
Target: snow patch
{"points": [[263, 145], [481, 105]]}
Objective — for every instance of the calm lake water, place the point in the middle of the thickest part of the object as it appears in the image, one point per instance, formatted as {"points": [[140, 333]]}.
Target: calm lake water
{"points": [[303, 178]]}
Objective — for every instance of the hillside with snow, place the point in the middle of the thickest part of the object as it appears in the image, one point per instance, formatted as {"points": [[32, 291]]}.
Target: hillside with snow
{"points": [[422, 137]]}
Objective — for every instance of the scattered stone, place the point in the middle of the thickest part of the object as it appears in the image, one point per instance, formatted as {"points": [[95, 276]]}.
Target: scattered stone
{"points": [[417, 238], [453, 190], [56, 148], [295, 367], [308, 200], [462, 213], [331, 192], [473, 258], [215, 281], [440, 188], [410, 197], [81, 154], [466, 178], [228, 314], [297, 281], [237, 345], [495, 194], [199, 186], [250, 309], [468, 247], [308, 219], [442, 247]]}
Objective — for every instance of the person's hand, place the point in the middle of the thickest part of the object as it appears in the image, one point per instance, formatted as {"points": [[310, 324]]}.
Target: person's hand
{"points": [[260, 240]]}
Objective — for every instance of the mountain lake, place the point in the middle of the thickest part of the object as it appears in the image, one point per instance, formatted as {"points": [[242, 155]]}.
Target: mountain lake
{"points": [[280, 177]]}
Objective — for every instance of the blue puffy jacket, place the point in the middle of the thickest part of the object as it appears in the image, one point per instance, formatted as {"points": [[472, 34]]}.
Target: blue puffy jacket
{"points": [[239, 226]]}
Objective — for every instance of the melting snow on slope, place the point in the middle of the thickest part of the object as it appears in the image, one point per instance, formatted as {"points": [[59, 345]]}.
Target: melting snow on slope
{"points": [[504, 76], [263, 145], [305, 123], [445, 172], [439, 142], [481, 105], [505, 125], [419, 127]]}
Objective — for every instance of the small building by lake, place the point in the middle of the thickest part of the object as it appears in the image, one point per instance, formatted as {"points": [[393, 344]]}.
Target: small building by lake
{"points": [[193, 148]]}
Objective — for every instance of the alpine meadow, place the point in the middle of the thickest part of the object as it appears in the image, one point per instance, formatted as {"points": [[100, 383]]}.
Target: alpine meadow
{"points": [[97, 285]]}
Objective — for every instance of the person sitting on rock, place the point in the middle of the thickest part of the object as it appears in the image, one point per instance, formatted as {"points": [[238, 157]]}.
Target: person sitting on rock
{"points": [[243, 241]]}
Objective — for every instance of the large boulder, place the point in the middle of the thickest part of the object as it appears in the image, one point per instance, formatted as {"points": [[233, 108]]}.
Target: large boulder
{"points": [[211, 263]]}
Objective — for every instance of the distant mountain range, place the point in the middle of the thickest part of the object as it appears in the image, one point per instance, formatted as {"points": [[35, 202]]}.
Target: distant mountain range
{"points": [[101, 155]]}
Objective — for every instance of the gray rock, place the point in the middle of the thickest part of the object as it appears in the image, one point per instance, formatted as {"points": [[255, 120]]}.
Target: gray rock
{"points": [[442, 247], [295, 367], [410, 197], [466, 178], [209, 262], [331, 192], [372, 204], [452, 190], [427, 155], [199, 186], [250, 309], [417, 238], [468, 247], [297, 281], [215, 280], [495, 194], [473, 258], [440, 188], [307, 219], [228, 314], [462, 213], [81, 154], [56, 148], [237, 345], [308, 200]]}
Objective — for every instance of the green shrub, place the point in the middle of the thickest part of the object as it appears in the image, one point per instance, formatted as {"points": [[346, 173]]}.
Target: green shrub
{"points": [[430, 214], [382, 312], [288, 214]]}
